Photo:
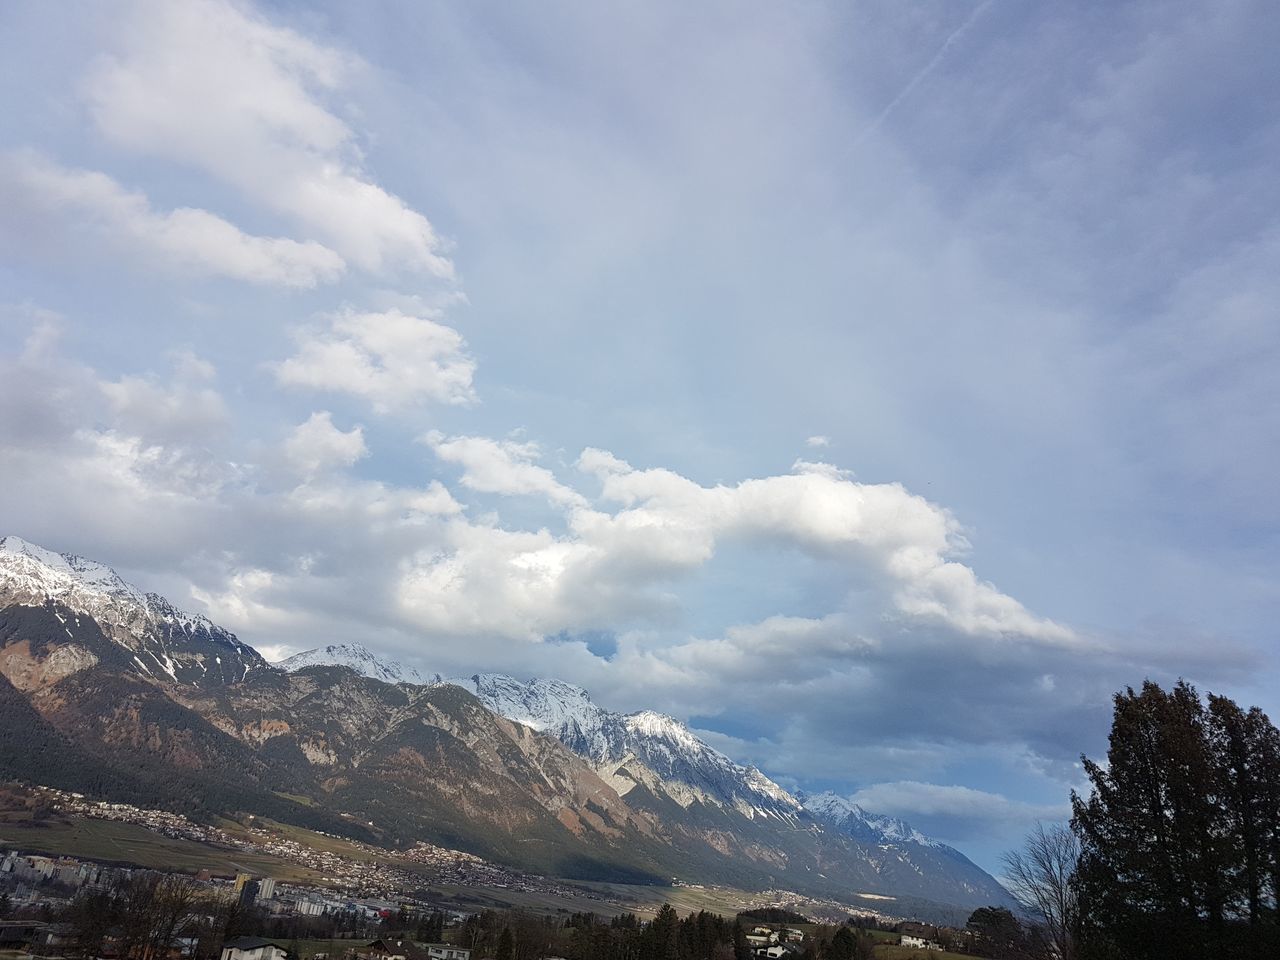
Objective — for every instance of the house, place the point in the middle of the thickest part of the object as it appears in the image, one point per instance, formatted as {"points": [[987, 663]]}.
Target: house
{"points": [[775, 951], [254, 948], [412, 950], [762, 936], [922, 936]]}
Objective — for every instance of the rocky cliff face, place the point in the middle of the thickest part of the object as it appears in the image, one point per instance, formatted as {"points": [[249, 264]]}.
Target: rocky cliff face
{"points": [[639, 748]]}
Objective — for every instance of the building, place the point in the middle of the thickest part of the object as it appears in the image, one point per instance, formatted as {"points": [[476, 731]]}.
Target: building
{"points": [[266, 888], [412, 950], [254, 948], [921, 936], [776, 950]]}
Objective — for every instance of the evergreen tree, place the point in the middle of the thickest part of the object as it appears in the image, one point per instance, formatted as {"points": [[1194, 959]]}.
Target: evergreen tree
{"points": [[506, 945], [662, 937], [844, 945], [1247, 749], [1178, 837]]}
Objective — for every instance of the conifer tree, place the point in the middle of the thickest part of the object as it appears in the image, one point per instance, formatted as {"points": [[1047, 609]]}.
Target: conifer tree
{"points": [[1179, 835]]}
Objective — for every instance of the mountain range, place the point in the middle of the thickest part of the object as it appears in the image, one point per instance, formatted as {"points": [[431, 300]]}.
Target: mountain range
{"points": [[120, 694]]}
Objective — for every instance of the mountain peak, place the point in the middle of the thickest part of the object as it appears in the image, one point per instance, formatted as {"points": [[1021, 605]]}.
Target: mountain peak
{"points": [[163, 642], [843, 813], [357, 657], [60, 572]]}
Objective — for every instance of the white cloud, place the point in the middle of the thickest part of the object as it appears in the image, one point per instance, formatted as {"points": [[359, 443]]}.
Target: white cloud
{"points": [[187, 239], [258, 92], [651, 530], [818, 441], [317, 444], [501, 466], [391, 359], [188, 408]]}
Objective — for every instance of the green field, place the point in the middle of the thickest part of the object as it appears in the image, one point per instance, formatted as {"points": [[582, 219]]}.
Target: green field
{"points": [[887, 951], [882, 936], [113, 842]]}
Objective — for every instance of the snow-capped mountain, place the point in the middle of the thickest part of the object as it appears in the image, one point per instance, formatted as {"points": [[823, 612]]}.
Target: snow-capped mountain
{"points": [[628, 750], [849, 818], [359, 658], [92, 603], [123, 693]]}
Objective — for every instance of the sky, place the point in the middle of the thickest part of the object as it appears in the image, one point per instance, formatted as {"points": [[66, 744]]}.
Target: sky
{"points": [[877, 387]]}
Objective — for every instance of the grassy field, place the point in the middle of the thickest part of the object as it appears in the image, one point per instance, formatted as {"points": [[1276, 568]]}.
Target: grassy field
{"points": [[889, 951], [109, 841], [882, 936]]}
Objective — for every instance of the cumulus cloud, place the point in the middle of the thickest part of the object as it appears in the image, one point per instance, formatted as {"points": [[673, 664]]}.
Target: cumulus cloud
{"points": [[880, 530], [317, 444], [188, 239], [390, 359], [504, 467], [259, 91], [818, 441], [188, 407]]}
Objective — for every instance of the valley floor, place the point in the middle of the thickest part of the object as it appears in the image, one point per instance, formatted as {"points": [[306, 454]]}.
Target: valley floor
{"points": [[127, 843]]}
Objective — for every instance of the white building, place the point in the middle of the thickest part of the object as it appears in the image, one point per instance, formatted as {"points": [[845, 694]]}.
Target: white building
{"points": [[920, 943], [253, 948]]}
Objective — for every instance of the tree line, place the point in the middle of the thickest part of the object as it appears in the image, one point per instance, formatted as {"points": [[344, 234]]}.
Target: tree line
{"points": [[512, 935]]}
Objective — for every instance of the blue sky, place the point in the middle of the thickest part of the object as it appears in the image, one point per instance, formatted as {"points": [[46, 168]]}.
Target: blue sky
{"points": [[877, 386]]}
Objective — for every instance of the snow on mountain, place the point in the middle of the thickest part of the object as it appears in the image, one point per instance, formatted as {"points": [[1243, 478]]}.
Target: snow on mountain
{"points": [[852, 819], [645, 747], [163, 641], [360, 659]]}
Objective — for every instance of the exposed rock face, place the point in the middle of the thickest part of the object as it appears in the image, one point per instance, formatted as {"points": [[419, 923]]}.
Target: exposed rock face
{"points": [[644, 747]]}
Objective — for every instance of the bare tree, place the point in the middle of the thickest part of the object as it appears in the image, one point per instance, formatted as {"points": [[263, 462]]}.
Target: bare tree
{"points": [[1039, 876]]}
